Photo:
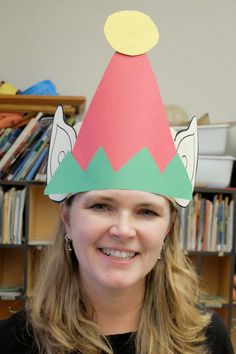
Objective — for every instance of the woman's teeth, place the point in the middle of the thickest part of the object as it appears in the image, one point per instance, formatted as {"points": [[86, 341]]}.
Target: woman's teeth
{"points": [[117, 254]]}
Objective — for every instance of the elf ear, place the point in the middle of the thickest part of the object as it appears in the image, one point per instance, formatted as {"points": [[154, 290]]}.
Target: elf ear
{"points": [[62, 140], [186, 143]]}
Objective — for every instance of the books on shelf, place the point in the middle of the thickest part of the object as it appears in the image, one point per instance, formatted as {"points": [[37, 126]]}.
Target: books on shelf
{"points": [[24, 148], [19, 142], [11, 215], [23, 165], [7, 138], [10, 292], [39, 242], [213, 301], [207, 225]]}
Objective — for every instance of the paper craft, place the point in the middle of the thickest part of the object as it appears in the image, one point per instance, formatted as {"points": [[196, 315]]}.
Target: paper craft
{"points": [[131, 32], [125, 141]]}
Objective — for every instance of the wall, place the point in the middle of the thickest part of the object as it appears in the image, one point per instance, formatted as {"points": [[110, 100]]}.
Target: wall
{"points": [[63, 40]]}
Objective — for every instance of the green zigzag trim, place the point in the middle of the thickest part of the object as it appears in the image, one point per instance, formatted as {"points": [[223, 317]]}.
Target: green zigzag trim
{"points": [[139, 173]]}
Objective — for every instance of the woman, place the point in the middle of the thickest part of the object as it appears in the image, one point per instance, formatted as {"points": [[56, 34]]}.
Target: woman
{"points": [[115, 280], [120, 281]]}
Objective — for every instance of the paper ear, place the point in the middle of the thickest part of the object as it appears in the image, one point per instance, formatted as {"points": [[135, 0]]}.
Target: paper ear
{"points": [[186, 143], [62, 140]]}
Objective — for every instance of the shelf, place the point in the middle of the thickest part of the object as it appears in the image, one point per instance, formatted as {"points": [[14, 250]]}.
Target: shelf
{"points": [[46, 104], [11, 245], [21, 183], [11, 267], [41, 209], [213, 277], [205, 253], [39, 243], [207, 190], [215, 304], [11, 296]]}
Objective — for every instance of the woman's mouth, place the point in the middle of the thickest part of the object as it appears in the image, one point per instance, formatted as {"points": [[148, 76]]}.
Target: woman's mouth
{"points": [[116, 254]]}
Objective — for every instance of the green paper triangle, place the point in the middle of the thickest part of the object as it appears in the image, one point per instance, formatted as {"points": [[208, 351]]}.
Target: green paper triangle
{"points": [[139, 173]]}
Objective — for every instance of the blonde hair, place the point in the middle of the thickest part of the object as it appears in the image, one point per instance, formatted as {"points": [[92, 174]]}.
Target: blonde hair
{"points": [[170, 320]]}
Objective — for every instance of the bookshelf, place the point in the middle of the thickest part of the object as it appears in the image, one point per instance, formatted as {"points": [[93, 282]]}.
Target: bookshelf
{"points": [[46, 104], [19, 255], [216, 268], [18, 263]]}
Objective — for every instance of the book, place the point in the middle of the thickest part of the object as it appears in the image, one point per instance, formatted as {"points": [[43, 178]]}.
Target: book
{"points": [[201, 223], [8, 293], [17, 165], [11, 214], [214, 229], [21, 154], [219, 235], [9, 140], [3, 139], [18, 143], [18, 222], [5, 216], [207, 226], [28, 164], [40, 242], [230, 225], [36, 165], [41, 174], [30, 154], [213, 300]]}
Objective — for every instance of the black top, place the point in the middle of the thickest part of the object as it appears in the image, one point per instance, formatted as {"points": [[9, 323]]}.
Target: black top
{"points": [[16, 339]]}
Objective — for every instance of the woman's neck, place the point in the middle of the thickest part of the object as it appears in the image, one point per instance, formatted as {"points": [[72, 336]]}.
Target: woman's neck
{"points": [[117, 311]]}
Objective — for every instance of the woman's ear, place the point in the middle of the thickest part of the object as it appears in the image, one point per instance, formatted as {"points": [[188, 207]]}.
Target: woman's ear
{"points": [[65, 217]]}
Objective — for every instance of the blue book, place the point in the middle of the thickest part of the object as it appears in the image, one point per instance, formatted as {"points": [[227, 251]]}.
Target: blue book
{"points": [[36, 165], [9, 139], [24, 161], [220, 220], [36, 152], [14, 172]]}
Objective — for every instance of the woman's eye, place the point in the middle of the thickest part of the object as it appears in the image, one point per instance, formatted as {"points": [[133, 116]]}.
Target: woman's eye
{"points": [[147, 212], [100, 207]]}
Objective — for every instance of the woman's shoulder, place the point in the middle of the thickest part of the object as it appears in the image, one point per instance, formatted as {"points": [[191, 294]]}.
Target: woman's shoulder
{"points": [[15, 335], [218, 339]]}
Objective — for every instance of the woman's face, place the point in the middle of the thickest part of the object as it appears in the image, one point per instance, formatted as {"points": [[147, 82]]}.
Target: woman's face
{"points": [[117, 235]]}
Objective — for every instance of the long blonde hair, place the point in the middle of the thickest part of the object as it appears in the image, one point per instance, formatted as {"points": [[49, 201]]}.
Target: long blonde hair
{"points": [[170, 320]]}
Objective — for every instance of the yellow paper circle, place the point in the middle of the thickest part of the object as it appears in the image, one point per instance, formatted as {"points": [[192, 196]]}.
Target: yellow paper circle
{"points": [[131, 32]]}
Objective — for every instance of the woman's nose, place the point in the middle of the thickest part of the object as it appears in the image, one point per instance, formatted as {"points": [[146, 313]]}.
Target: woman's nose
{"points": [[123, 226]]}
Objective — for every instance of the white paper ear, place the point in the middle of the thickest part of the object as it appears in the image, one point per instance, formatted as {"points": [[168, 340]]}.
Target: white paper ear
{"points": [[62, 140], [186, 143]]}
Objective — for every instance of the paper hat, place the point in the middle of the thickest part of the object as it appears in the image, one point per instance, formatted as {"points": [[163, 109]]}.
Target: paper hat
{"points": [[125, 141]]}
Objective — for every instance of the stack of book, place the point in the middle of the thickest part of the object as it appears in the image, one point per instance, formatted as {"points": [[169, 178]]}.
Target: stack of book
{"points": [[7, 293], [23, 151], [207, 225], [12, 204]]}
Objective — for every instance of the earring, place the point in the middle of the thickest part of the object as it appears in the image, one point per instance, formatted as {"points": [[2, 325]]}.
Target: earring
{"points": [[68, 244]]}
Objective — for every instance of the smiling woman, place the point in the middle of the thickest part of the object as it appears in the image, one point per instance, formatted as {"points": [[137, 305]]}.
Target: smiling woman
{"points": [[115, 280], [125, 284], [117, 236]]}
